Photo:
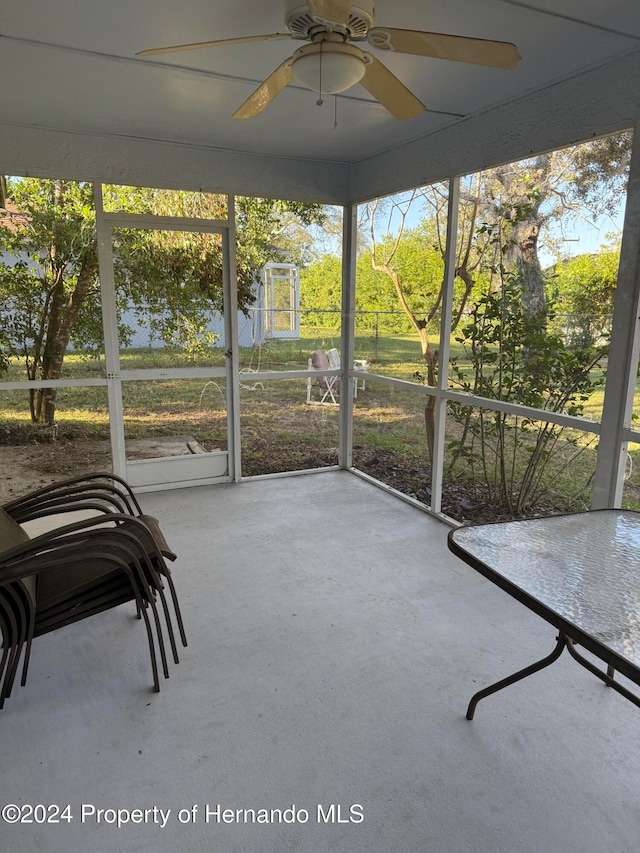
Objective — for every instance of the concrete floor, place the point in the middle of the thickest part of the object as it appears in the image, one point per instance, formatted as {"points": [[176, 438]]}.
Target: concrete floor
{"points": [[334, 645]]}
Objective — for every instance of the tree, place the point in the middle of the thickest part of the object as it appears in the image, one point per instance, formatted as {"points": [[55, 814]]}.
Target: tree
{"points": [[577, 182], [513, 357], [420, 312], [519, 201], [583, 290], [50, 271], [49, 280], [582, 181], [321, 291]]}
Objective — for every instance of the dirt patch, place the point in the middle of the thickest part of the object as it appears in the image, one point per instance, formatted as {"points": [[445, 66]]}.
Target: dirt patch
{"points": [[30, 466], [460, 500], [34, 457]]}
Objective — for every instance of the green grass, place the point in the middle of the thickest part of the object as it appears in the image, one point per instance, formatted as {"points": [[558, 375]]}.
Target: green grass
{"points": [[279, 431]]}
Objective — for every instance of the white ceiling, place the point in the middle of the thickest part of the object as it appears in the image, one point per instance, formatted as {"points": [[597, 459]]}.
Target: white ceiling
{"points": [[71, 66]]}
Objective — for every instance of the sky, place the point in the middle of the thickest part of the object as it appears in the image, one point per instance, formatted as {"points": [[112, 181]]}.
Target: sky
{"points": [[581, 238], [574, 236]]}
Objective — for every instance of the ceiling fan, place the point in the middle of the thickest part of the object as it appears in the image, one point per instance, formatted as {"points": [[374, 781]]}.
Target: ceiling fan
{"points": [[332, 62]]}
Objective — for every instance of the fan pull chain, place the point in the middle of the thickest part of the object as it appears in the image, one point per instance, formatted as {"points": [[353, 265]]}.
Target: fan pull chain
{"points": [[320, 102], [335, 111]]}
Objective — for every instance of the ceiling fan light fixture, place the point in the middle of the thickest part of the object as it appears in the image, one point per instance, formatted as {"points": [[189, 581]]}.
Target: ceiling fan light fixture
{"points": [[328, 67]]}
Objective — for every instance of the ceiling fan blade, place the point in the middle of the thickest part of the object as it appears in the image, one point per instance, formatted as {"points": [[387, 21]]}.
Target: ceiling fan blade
{"points": [[331, 11], [218, 43], [266, 92], [391, 92], [497, 54]]}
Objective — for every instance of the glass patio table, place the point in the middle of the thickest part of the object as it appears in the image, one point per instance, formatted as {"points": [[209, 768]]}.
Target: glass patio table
{"points": [[580, 572]]}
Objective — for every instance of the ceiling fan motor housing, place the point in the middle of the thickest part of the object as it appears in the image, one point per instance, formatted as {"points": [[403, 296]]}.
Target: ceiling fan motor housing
{"points": [[301, 24]]}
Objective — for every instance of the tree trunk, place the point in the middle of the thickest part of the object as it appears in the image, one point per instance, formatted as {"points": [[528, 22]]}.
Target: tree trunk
{"points": [[523, 257], [431, 358], [62, 318]]}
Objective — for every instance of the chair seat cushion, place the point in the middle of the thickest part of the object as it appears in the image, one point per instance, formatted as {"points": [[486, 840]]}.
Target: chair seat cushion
{"points": [[11, 534]]}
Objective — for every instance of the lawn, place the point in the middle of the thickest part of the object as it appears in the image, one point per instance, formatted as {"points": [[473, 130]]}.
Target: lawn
{"points": [[280, 432]]}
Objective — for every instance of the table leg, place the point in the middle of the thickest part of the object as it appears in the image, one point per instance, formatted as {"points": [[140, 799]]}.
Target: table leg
{"points": [[511, 679], [608, 678]]}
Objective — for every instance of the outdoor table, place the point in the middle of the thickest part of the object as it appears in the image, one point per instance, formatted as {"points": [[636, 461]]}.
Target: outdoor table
{"points": [[580, 572]]}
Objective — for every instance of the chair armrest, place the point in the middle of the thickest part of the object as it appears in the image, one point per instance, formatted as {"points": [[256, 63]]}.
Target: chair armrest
{"points": [[154, 528], [126, 532], [97, 502], [114, 488]]}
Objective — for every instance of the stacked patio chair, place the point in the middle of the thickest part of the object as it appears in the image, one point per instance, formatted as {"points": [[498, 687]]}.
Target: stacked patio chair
{"points": [[82, 568]]}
